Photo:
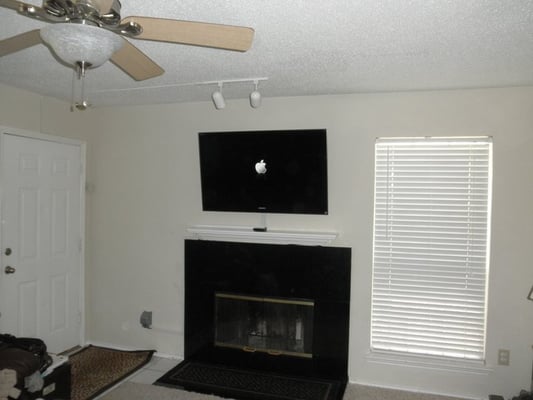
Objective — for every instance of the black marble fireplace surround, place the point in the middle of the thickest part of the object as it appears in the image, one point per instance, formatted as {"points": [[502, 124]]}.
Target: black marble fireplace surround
{"points": [[307, 287]]}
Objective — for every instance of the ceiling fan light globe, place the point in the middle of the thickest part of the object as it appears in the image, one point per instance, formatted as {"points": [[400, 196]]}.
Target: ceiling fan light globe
{"points": [[75, 43]]}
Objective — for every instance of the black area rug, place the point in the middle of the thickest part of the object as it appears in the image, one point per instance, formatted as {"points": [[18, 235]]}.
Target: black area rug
{"points": [[248, 384]]}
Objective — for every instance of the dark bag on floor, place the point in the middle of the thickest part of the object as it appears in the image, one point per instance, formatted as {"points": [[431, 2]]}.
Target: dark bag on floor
{"points": [[32, 345]]}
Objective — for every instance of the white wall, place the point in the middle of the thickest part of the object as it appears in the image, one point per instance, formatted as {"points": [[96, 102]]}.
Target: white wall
{"points": [[144, 175], [25, 110]]}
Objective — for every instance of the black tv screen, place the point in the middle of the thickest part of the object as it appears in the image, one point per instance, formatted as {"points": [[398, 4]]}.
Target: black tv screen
{"points": [[264, 171]]}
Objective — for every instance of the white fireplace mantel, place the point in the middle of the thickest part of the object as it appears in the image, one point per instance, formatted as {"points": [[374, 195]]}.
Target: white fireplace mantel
{"points": [[247, 234]]}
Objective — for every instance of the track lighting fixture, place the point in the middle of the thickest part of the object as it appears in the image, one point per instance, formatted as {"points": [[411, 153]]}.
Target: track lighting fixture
{"points": [[255, 96], [218, 98]]}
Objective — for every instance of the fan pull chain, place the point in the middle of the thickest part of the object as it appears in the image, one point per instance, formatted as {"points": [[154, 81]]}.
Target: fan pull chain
{"points": [[72, 93], [83, 103], [82, 94]]}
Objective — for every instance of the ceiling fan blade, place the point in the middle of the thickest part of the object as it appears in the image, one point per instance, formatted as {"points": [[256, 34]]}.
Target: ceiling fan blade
{"points": [[104, 6], [13, 4], [24, 8], [20, 42], [135, 63], [29, 10], [226, 37]]}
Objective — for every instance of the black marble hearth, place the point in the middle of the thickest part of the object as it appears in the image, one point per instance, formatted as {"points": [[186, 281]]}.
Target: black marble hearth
{"points": [[265, 313]]}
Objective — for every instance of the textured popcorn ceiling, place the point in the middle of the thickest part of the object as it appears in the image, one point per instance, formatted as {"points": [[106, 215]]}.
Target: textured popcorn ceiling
{"points": [[306, 48]]}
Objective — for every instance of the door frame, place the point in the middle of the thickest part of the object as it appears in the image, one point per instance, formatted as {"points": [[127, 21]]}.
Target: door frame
{"points": [[5, 130]]}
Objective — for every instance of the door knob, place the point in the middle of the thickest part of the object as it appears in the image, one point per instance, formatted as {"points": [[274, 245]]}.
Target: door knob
{"points": [[7, 251], [9, 270]]}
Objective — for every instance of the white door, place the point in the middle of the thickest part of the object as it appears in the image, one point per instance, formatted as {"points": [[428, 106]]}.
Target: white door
{"points": [[41, 240]]}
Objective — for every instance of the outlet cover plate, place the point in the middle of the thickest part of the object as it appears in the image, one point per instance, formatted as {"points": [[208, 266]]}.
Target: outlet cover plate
{"points": [[504, 357]]}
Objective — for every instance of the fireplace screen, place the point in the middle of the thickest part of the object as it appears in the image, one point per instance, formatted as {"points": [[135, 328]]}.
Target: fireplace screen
{"points": [[267, 324]]}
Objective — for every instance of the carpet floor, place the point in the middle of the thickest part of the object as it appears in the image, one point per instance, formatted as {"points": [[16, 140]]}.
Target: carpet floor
{"points": [[96, 369], [138, 391]]}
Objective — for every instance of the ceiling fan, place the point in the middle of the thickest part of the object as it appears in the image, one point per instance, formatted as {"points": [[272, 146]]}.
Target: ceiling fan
{"points": [[87, 33]]}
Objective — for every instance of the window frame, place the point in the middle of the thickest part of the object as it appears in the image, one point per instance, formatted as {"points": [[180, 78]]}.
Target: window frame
{"points": [[381, 353]]}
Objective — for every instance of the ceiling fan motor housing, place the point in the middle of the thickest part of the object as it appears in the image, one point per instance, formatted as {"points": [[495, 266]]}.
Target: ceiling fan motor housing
{"points": [[104, 13]]}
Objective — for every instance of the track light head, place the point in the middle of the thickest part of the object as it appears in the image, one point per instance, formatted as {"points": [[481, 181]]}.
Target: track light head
{"points": [[255, 97], [218, 98]]}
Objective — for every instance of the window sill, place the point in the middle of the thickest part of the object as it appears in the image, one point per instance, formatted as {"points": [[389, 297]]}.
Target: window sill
{"points": [[433, 363]]}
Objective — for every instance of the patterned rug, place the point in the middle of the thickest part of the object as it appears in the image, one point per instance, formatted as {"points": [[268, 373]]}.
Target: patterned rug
{"points": [[96, 369]]}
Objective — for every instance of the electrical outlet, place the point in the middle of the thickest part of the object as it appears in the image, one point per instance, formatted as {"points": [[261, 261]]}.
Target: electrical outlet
{"points": [[504, 357]]}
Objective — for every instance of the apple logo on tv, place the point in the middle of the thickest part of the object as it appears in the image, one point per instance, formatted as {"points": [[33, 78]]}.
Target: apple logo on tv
{"points": [[260, 167]]}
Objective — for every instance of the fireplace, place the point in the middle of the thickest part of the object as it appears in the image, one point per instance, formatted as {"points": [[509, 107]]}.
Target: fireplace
{"points": [[262, 312]]}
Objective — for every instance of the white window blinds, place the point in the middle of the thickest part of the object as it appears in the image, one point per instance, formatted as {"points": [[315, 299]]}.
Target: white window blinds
{"points": [[431, 246]]}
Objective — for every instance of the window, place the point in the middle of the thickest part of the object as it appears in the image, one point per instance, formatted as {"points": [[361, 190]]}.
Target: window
{"points": [[431, 246]]}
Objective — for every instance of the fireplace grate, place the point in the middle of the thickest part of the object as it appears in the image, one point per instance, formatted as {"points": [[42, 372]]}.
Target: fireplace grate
{"points": [[247, 384]]}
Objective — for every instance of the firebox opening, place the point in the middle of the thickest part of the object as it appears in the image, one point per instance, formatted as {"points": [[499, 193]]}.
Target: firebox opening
{"points": [[272, 325]]}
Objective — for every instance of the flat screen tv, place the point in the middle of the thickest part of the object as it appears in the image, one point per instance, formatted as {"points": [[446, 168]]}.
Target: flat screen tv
{"points": [[264, 171]]}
